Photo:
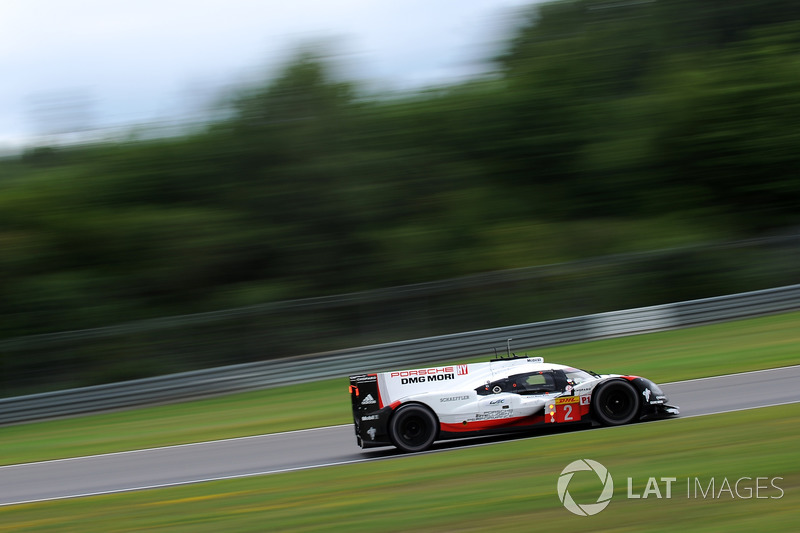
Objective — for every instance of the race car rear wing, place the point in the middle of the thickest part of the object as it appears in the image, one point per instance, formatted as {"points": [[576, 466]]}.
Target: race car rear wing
{"points": [[369, 413], [364, 393]]}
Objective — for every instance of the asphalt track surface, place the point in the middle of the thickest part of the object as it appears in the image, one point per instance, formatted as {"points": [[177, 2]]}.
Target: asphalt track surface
{"points": [[328, 446]]}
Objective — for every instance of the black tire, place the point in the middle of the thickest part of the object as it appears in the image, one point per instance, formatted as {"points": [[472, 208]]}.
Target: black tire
{"points": [[413, 428], [615, 403]]}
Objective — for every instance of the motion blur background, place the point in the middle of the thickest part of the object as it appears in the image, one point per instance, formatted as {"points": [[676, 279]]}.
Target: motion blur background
{"points": [[601, 155]]}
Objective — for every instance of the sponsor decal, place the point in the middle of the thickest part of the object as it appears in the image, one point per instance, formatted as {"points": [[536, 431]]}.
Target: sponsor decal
{"points": [[425, 375], [567, 399], [496, 402], [463, 370], [368, 400], [454, 399], [372, 432], [494, 415], [426, 379], [647, 393], [564, 409], [423, 372], [370, 417]]}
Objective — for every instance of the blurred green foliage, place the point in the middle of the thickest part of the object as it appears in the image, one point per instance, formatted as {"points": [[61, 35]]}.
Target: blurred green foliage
{"points": [[603, 127]]}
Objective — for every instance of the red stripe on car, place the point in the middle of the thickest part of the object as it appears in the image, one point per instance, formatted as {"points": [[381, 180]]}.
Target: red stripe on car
{"points": [[480, 425]]}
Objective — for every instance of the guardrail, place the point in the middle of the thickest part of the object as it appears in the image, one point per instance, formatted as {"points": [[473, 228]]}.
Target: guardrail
{"points": [[458, 346]]}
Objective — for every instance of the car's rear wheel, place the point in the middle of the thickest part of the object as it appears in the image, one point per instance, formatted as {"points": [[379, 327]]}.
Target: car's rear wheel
{"points": [[615, 403], [413, 428]]}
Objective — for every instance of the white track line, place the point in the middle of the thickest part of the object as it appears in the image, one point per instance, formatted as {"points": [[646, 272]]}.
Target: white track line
{"points": [[735, 374], [306, 467], [321, 465], [173, 446], [233, 439], [190, 482]]}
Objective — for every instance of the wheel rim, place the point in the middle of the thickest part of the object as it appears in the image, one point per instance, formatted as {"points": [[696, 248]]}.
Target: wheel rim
{"points": [[414, 430], [618, 403]]}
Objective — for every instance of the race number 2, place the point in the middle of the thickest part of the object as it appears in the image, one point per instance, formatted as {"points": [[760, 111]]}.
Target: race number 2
{"points": [[566, 409]]}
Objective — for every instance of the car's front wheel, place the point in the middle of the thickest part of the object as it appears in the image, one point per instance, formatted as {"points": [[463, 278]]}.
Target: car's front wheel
{"points": [[615, 403], [413, 428]]}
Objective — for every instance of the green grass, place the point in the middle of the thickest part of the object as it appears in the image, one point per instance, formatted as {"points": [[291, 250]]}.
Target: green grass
{"points": [[668, 356], [508, 486]]}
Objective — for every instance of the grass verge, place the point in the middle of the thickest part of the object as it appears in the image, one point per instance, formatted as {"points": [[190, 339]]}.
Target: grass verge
{"points": [[501, 487], [754, 344]]}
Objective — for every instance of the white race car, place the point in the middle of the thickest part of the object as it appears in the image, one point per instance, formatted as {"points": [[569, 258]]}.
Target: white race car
{"points": [[411, 409]]}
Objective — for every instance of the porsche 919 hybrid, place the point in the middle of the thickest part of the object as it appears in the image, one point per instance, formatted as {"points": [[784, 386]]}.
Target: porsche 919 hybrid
{"points": [[410, 409]]}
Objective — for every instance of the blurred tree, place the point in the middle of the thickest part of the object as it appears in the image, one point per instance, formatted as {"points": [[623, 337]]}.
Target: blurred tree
{"points": [[604, 127], [727, 131]]}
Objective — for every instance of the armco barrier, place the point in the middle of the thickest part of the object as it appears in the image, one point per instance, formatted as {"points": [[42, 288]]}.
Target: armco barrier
{"points": [[454, 347]]}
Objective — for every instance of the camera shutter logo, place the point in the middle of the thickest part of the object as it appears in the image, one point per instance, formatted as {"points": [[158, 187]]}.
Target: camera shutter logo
{"points": [[587, 509]]}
